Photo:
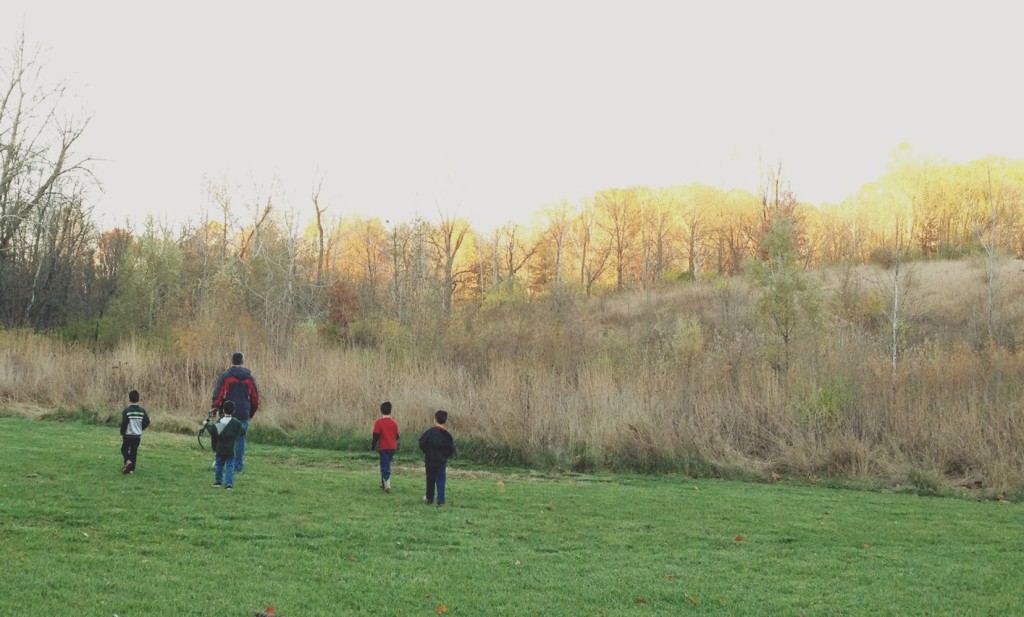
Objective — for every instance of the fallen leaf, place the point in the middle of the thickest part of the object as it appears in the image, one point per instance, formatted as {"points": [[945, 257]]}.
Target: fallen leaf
{"points": [[85, 534], [740, 537], [640, 601], [353, 558], [442, 609], [669, 577], [692, 599], [270, 611], [865, 545]]}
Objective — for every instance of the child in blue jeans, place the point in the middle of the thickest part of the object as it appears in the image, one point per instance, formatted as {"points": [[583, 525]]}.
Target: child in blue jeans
{"points": [[385, 441], [438, 446], [223, 434]]}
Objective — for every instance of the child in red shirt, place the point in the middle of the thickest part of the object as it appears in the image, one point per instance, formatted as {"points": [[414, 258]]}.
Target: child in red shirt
{"points": [[385, 441]]}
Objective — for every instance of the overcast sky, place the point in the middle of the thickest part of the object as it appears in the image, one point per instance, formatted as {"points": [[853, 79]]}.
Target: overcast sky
{"points": [[492, 110]]}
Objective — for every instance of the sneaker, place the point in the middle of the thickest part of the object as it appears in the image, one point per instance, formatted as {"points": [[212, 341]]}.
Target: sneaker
{"points": [[216, 485], [387, 486], [229, 487], [428, 501], [127, 467], [440, 505]]}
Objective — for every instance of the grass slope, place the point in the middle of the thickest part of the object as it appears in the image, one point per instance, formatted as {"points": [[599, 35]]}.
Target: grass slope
{"points": [[310, 533]]}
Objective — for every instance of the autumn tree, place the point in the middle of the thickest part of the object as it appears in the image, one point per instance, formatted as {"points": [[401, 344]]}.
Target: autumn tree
{"points": [[159, 281], [591, 249], [657, 229], [111, 253], [362, 259], [696, 207], [731, 225], [548, 268], [619, 216]]}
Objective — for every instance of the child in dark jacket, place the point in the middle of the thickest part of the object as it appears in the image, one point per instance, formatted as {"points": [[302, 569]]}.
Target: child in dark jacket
{"points": [[438, 446], [223, 435], [134, 420]]}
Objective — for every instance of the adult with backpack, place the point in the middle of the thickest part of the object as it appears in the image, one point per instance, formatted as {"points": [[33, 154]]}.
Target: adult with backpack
{"points": [[238, 385]]}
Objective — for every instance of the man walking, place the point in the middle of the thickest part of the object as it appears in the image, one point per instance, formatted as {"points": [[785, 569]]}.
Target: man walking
{"points": [[238, 385]]}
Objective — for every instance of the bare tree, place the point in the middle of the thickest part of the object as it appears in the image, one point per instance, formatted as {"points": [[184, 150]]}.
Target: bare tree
{"points": [[409, 272], [250, 238], [38, 166], [896, 286], [320, 233], [516, 251], [990, 243], [446, 239]]}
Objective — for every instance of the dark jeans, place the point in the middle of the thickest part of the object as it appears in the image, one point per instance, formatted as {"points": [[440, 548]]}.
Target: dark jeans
{"points": [[385, 463], [224, 470], [130, 447], [436, 477], [240, 449]]}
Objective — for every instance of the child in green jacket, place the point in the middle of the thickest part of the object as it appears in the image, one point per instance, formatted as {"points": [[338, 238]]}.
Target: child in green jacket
{"points": [[134, 420], [223, 434]]}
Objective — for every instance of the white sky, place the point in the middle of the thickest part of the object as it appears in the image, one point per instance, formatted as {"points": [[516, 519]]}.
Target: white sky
{"points": [[490, 111]]}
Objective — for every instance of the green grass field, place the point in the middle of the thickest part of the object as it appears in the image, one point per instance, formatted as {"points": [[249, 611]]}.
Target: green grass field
{"points": [[310, 533]]}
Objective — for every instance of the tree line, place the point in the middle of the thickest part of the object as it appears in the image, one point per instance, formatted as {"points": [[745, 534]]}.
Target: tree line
{"points": [[260, 263]]}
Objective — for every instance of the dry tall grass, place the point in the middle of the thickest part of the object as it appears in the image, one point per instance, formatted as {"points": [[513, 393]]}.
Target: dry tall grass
{"points": [[667, 380]]}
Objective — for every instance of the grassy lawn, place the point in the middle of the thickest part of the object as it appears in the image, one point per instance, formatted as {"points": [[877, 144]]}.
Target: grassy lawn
{"points": [[310, 533]]}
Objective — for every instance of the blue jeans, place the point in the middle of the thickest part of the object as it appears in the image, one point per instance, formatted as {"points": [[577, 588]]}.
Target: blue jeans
{"points": [[436, 477], [385, 463], [240, 448], [224, 471]]}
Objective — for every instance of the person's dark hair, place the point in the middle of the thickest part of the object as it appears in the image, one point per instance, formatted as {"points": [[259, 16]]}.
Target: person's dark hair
{"points": [[441, 416], [385, 408], [237, 358], [133, 396], [227, 408]]}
